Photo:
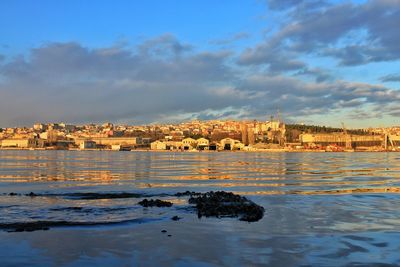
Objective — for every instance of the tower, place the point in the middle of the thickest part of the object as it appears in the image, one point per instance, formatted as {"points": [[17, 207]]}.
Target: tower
{"points": [[244, 133]]}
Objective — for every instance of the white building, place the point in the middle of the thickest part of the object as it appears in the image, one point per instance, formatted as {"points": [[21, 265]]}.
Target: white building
{"points": [[158, 145]]}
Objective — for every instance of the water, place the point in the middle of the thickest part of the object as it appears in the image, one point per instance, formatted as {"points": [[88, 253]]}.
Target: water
{"points": [[322, 209]]}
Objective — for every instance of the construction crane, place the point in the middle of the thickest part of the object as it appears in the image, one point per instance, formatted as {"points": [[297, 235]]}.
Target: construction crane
{"points": [[386, 138], [347, 137]]}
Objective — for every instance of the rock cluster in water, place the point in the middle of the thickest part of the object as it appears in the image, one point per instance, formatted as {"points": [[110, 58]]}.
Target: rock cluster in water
{"points": [[154, 203], [211, 204], [176, 218], [226, 204]]}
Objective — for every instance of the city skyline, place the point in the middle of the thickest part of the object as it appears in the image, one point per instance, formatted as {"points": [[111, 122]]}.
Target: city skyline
{"points": [[318, 62], [273, 119]]}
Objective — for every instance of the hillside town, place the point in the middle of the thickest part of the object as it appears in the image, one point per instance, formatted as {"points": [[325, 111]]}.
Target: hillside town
{"points": [[213, 135]]}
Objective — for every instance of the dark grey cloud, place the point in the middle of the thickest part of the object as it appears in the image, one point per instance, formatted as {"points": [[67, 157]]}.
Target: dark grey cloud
{"points": [[278, 87], [349, 55], [297, 98], [69, 82], [360, 114], [273, 57], [394, 111], [318, 74], [375, 23], [391, 78], [162, 79], [321, 27], [352, 33], [164, 45], [391, 109], [67, 62]]}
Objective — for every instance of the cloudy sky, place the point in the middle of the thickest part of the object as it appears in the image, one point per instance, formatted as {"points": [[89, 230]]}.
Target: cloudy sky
{"points": [[314, 61]]}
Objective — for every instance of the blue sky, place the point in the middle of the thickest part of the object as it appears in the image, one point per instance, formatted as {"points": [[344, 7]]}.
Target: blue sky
{"points": [[317, 61], [101, 23]]}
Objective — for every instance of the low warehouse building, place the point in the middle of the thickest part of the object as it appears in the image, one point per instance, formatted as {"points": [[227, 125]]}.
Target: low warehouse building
{"points": [[19, 142]]}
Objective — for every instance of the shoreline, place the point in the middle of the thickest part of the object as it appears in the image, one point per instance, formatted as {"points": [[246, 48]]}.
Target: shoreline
{"points": [[201, 151]]}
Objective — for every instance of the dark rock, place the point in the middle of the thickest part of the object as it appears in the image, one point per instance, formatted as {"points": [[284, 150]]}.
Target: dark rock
{"points": [[31, 194], [226, 204], [163, 231], [169, 235], [75, 208], [28, 228], [176, 218], [154, 203], [12, 194], [46, 225]]}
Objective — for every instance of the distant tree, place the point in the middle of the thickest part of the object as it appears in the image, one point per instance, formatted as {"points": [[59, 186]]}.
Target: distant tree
{"points": [[320, 129]]}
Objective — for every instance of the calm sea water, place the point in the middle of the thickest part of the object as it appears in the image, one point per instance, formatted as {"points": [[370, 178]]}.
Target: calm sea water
{"points": [[322, 209]]}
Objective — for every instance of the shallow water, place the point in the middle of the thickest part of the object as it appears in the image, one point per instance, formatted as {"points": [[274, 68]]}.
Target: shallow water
{"points": [[322, 209]]}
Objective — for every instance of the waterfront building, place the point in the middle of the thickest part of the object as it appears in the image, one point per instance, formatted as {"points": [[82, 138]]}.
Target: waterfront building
{"points": [[189, 143], [174, 145], [158, 145], [231, 144], [87, 144], [244, 130], [250, 136], [203, 144], [18, 143], [109, 141], [339, 139], [395, 139]]}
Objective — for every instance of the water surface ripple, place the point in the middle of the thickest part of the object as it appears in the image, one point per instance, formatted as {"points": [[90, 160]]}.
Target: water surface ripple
{"points": [[347, 200]]}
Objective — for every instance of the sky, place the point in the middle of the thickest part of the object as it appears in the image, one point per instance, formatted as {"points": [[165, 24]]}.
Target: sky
{"points": [[155, 61]]}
